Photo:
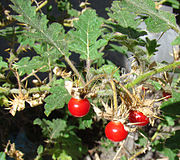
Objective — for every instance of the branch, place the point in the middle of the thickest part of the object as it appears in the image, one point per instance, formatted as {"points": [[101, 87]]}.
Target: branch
{"points": [[7, 91], [150, 73]]}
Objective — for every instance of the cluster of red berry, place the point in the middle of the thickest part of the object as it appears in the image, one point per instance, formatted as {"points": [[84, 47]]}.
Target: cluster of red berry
{"points": [[114, 130]]}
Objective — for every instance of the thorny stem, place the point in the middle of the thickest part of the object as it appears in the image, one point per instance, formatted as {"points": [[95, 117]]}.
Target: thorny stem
{"points": [[42, 88], [114, 96], [150, 73]]}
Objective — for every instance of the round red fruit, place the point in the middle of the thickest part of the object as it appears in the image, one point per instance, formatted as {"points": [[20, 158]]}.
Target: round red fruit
{"points": [[78, 107], [115, 131], [167, 95], [138, 117]]}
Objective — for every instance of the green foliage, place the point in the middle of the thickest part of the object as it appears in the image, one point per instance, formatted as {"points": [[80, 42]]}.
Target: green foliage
{"points": [[27, 66], [176, 41], [2, 156], [175, 4], [174, 103], [53, 129], [151, 46], [123, 17], [58, 97], [89, 36], [155, 20], [3, 64], [66, 144], [52, 34], [85, 39]]}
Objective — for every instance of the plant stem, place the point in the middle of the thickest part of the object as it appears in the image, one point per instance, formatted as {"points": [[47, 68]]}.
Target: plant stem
{"points": [[114, 96], [156, 133], [150, 73], [24, 91], [41, 5], [119, 150], [74, 69]]}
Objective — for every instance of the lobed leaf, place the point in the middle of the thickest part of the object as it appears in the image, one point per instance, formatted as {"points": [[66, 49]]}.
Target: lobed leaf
{"points": [[52, 34], [57, 99], [85, 40], [156, 20], [26, 66], [51, 129]]}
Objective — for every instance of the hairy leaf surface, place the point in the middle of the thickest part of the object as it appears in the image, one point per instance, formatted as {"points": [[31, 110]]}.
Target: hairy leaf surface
{"points": [[85, 39], [156, 20], [58, 97]]}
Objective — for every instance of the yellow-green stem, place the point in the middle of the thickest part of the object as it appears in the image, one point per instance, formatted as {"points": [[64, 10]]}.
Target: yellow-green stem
{"points": [[150, 73], [114, 96]]}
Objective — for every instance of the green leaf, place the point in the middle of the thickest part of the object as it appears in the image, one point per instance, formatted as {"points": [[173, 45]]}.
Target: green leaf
{"points": [[169, 153], [40, 149], [156, 85], [27, 66], [2, 156], [123, 17], [175, 3], [171, 107], [142, 141], [64, 156], [58, 97], [52, 34], [85, 123], [120, 49], [109, 69], [172, 141], [123, 158], [51, 129], [156, 20], [176, 41], [3, 64], [169, 120], [85, 39], [151, 46]]}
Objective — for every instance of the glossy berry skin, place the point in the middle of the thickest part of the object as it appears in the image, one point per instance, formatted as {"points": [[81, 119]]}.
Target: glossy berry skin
{"points": [[167, 95], [115, 131], [138, 117], [78, 107]]}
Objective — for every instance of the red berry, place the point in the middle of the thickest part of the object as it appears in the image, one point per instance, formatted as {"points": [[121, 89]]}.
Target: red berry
{"points": [[78, 107], [138, 117], [167, 95], [115, 131]]}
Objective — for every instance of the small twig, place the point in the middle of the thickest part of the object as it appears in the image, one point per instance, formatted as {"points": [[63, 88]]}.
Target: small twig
{"points": [[38, 79], [119, 150], [126, 90], [41, 5], [94, 78], [32, 74], [156, 133], [114, 96], [138, 153]]}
